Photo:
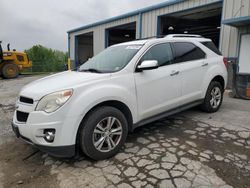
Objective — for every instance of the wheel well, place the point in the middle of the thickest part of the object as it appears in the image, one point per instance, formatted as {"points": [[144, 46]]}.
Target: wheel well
{"points": [[113, 103], [120, 106], [116, 104], [219, 79]]}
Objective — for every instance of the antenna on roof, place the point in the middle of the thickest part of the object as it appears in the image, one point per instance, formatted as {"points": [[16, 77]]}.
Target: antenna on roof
{"points": [[152, 37]]}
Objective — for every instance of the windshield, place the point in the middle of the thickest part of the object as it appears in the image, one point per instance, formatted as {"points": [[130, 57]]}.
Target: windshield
{"points": [[111, 60]]}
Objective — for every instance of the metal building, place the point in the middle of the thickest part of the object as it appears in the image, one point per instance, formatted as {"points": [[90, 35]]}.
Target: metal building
{"points": [[226, 22]]}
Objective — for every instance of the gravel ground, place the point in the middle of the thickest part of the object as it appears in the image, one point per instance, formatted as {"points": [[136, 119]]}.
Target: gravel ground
{"points": [[190, 149]]}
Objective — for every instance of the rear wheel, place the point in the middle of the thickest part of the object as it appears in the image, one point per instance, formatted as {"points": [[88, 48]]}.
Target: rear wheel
{"points": [[103, 133], [214, 98], [10, 70]]}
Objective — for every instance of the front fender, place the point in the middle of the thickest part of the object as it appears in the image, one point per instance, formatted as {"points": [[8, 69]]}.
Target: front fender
{"points": [[85, 100], [99, 94]]}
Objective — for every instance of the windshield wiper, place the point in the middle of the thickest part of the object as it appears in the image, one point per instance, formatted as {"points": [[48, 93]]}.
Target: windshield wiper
{"points": [[91, 70]]}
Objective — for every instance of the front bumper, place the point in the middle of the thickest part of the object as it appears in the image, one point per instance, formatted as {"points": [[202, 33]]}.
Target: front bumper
{"points": [[56, 151], [30, 125]]}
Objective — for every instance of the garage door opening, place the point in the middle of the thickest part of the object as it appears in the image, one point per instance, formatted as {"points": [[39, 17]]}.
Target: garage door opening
{"points": [[205, 21], [119, 34], [84, 48]]}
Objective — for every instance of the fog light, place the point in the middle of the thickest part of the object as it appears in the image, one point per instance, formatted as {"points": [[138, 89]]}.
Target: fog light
{"points": [[49, 135]]}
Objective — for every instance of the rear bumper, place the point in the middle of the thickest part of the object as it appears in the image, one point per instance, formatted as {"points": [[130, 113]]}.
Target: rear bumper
{"points": [[56, 151]]}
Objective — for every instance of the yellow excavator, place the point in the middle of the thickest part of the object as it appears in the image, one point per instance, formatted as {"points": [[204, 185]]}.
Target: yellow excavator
{"points": [[12, 62]]}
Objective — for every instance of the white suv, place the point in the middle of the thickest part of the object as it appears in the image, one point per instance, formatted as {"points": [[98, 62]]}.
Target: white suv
{"points": [[125, 86]]}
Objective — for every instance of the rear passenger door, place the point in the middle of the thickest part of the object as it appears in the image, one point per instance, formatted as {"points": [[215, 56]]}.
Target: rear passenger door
{"points": [[193, 67]]}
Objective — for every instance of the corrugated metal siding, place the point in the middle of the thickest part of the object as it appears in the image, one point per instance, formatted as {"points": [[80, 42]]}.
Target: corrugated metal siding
{"points": [[230, 35], [149, 19], [149, 24], [99, 34], [236, 8]]}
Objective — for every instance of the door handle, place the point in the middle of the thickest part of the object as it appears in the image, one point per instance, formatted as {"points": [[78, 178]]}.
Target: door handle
{"points": [[204, 64], [174, 72]]}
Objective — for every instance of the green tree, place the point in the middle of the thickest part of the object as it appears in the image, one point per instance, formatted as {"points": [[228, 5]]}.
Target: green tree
{"points": [[47, 60]]}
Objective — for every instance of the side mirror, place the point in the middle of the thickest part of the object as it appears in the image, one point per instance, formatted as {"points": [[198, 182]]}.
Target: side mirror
{"points": [[148, 65]]}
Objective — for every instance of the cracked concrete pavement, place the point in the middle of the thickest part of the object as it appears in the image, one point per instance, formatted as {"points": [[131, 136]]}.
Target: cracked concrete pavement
{"points": [[190, 149]]}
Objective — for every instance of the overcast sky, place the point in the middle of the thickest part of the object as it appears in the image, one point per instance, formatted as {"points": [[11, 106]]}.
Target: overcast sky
{"points": [[24, 23]]}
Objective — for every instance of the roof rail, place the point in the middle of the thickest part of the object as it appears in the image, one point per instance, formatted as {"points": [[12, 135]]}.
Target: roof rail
{"points": [[183, 35], [170, 36]]}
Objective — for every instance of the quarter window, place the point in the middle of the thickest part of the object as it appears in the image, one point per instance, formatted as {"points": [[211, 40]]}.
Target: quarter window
{"points": [[160, 52], [185, 51], [212, 47]]}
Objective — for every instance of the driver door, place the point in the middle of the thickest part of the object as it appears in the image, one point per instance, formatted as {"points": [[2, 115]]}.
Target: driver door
{"points": [[158, 90]]}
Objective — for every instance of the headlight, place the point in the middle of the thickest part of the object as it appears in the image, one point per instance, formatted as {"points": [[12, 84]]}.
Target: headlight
{"points": [[54, 101]]}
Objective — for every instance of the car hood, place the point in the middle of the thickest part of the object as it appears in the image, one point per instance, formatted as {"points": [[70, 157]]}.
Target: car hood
{"points": [[61, 81]]}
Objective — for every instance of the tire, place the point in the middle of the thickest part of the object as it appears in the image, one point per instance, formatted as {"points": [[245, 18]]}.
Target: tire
{"points": [[95, 140], [213, 98], [10, 70]]}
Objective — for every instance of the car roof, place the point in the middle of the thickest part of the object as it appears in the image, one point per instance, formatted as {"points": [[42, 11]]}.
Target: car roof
{"points": [[168, 38]]}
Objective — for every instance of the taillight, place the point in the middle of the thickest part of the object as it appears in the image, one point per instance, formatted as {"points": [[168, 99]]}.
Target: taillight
{"points": [[225, 61]]}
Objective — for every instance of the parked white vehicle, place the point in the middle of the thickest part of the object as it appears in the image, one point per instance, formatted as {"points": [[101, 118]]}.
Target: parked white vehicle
{"points": [[125, 86]]}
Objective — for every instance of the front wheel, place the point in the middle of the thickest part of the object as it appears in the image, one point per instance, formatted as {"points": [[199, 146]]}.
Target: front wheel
{"points": [[213, 98], [10, 70], [103, 133]]}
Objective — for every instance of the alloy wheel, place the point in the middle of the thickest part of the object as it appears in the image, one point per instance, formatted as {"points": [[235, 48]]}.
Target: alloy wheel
{"points": [[215, 97], [107, 134]]}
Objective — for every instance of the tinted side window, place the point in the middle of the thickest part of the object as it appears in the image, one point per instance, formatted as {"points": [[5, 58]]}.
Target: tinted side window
{"points": [[212, 47], [185, 51], [161, 52]]}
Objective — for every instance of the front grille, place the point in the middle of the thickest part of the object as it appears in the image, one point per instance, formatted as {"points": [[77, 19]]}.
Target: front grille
{"points": [[22, 116], [26, 100]]}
